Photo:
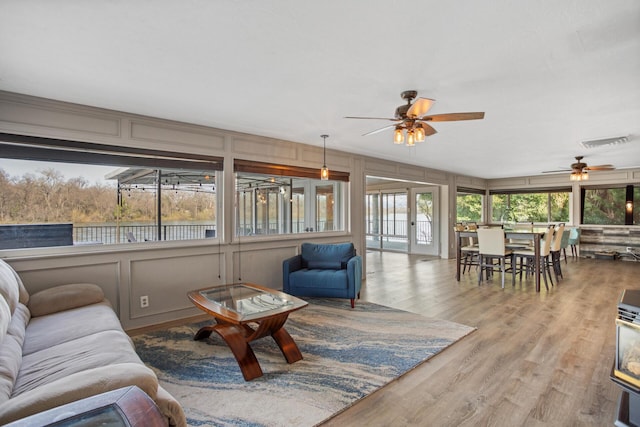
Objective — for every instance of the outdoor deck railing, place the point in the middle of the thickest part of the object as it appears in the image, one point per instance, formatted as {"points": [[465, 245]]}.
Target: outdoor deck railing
{"points": [[109, 234]]}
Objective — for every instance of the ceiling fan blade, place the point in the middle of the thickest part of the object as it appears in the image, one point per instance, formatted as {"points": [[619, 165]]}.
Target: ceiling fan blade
{"points": [[372, 118], [379, 130], [452, 117], [600, 168], [420, 107], [428, 129], [557, 171]]}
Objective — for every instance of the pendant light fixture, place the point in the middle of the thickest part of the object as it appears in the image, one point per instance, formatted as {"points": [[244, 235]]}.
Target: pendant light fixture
{"points": [[324, 172]]}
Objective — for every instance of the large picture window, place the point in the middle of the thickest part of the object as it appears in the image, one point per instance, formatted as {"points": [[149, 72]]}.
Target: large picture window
{"points": [[536, 206], [61, 193], [469, 205], [276, 199], [611, 205]]}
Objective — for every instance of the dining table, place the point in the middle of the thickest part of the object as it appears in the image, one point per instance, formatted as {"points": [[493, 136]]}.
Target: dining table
{"points": [[530, 233]]}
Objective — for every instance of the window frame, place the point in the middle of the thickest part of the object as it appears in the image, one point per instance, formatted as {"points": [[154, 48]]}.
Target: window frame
{"points": [[296, 177], [548, 191], [53, 150]]}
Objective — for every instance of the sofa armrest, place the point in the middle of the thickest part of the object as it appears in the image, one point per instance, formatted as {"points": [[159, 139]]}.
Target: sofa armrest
{"points": [[290, 265], [170, 408], [78, 386], [354, 273], [64, 297]]}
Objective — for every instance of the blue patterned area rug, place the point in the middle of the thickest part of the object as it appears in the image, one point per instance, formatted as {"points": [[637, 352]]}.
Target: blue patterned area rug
{"points": [[347, 354]]}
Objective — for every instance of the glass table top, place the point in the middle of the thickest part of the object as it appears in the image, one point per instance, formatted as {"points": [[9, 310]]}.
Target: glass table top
{"points": [[245, 300]]}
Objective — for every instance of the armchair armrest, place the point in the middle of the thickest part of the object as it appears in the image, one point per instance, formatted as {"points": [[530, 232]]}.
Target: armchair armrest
{"points": [[354, 273], [290, 265]]}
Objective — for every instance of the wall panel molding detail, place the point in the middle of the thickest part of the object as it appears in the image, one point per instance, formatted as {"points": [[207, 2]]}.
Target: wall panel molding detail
{"points": [[264, 149], [201, 139], [46, 121], [166, 281], [335, 159]]}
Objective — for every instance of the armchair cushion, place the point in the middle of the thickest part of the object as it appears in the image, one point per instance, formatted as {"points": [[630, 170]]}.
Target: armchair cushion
{"points": [[318, 252], [324, 265]]}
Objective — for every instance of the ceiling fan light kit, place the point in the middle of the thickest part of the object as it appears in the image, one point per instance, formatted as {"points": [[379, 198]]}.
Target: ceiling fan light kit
{"points": [[411, 122], [579, 176]]}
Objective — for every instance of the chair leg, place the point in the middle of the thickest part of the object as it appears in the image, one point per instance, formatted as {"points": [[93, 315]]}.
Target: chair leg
{"points": [[353, 303], [548, 270], [544, 276], [560, 266]]}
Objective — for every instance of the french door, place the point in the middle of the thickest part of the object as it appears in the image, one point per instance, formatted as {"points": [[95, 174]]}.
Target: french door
{"points": [[424, 222]]}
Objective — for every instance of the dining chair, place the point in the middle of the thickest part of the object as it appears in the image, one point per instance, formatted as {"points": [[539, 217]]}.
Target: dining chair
{"points": [[528, 256], [515, 243], [555, 251], [564, 243], [491, 245], [574, 240], [468, 252], [471, 251]]}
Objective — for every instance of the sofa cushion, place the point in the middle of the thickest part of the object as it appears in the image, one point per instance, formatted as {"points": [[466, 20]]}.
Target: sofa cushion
{"points": [[64, 297], [82, 354], [11, 351], [328, 279], [57, 328], [5, 318], [9, 287]]}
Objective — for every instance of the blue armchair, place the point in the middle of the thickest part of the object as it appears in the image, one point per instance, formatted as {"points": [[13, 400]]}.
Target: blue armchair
{"points": [[324, 270]]}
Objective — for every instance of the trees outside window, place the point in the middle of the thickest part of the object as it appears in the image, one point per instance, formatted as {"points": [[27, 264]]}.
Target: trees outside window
{"points": [[541, 207], [608, 206], [469, 207], [109, 204]]}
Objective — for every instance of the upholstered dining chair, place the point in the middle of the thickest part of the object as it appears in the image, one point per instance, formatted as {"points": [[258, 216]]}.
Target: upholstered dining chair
{"points": [[491, 246], [555, 251], [574, 240], [528, 256], [564, 243], [468, 252]]}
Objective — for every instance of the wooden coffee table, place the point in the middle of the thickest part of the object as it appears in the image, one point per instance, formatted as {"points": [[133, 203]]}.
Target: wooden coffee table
{"points": [[245, 312]]}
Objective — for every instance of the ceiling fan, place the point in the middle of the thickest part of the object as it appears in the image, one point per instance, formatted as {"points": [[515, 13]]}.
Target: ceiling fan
{"points": [[411, 118], [579, 170]]}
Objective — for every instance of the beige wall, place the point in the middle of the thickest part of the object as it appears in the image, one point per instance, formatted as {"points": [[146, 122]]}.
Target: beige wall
{"points": [[165, 271]]}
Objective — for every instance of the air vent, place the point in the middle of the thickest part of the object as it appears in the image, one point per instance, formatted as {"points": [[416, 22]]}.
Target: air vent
{"points": [[604, 142]]}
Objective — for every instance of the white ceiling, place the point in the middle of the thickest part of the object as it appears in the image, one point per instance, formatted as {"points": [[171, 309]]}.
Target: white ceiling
{"points": [[548, 73]]}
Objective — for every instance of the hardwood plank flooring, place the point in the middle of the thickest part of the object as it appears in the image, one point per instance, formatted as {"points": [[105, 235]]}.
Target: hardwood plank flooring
{"points": [[536, 359]]}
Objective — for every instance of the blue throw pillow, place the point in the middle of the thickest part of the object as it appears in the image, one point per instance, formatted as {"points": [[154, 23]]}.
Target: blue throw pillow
{"points": [[324, 265]]}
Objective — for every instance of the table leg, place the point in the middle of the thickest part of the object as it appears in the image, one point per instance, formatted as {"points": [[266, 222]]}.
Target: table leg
{"points": [[287, 345], [536, 251], [458, 254], [235, 337]]}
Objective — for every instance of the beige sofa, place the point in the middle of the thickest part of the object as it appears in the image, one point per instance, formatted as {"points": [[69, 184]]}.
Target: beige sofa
{"points": [[63, 344]]}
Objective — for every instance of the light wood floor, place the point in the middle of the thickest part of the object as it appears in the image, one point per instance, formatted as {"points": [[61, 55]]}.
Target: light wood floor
{"points": [[535, 360]]}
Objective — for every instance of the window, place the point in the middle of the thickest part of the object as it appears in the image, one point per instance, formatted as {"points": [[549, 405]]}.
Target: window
{"points": [[387, 220], [275, 199], [469, 205], [610, 206], [59, 193], [536, 206]]}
